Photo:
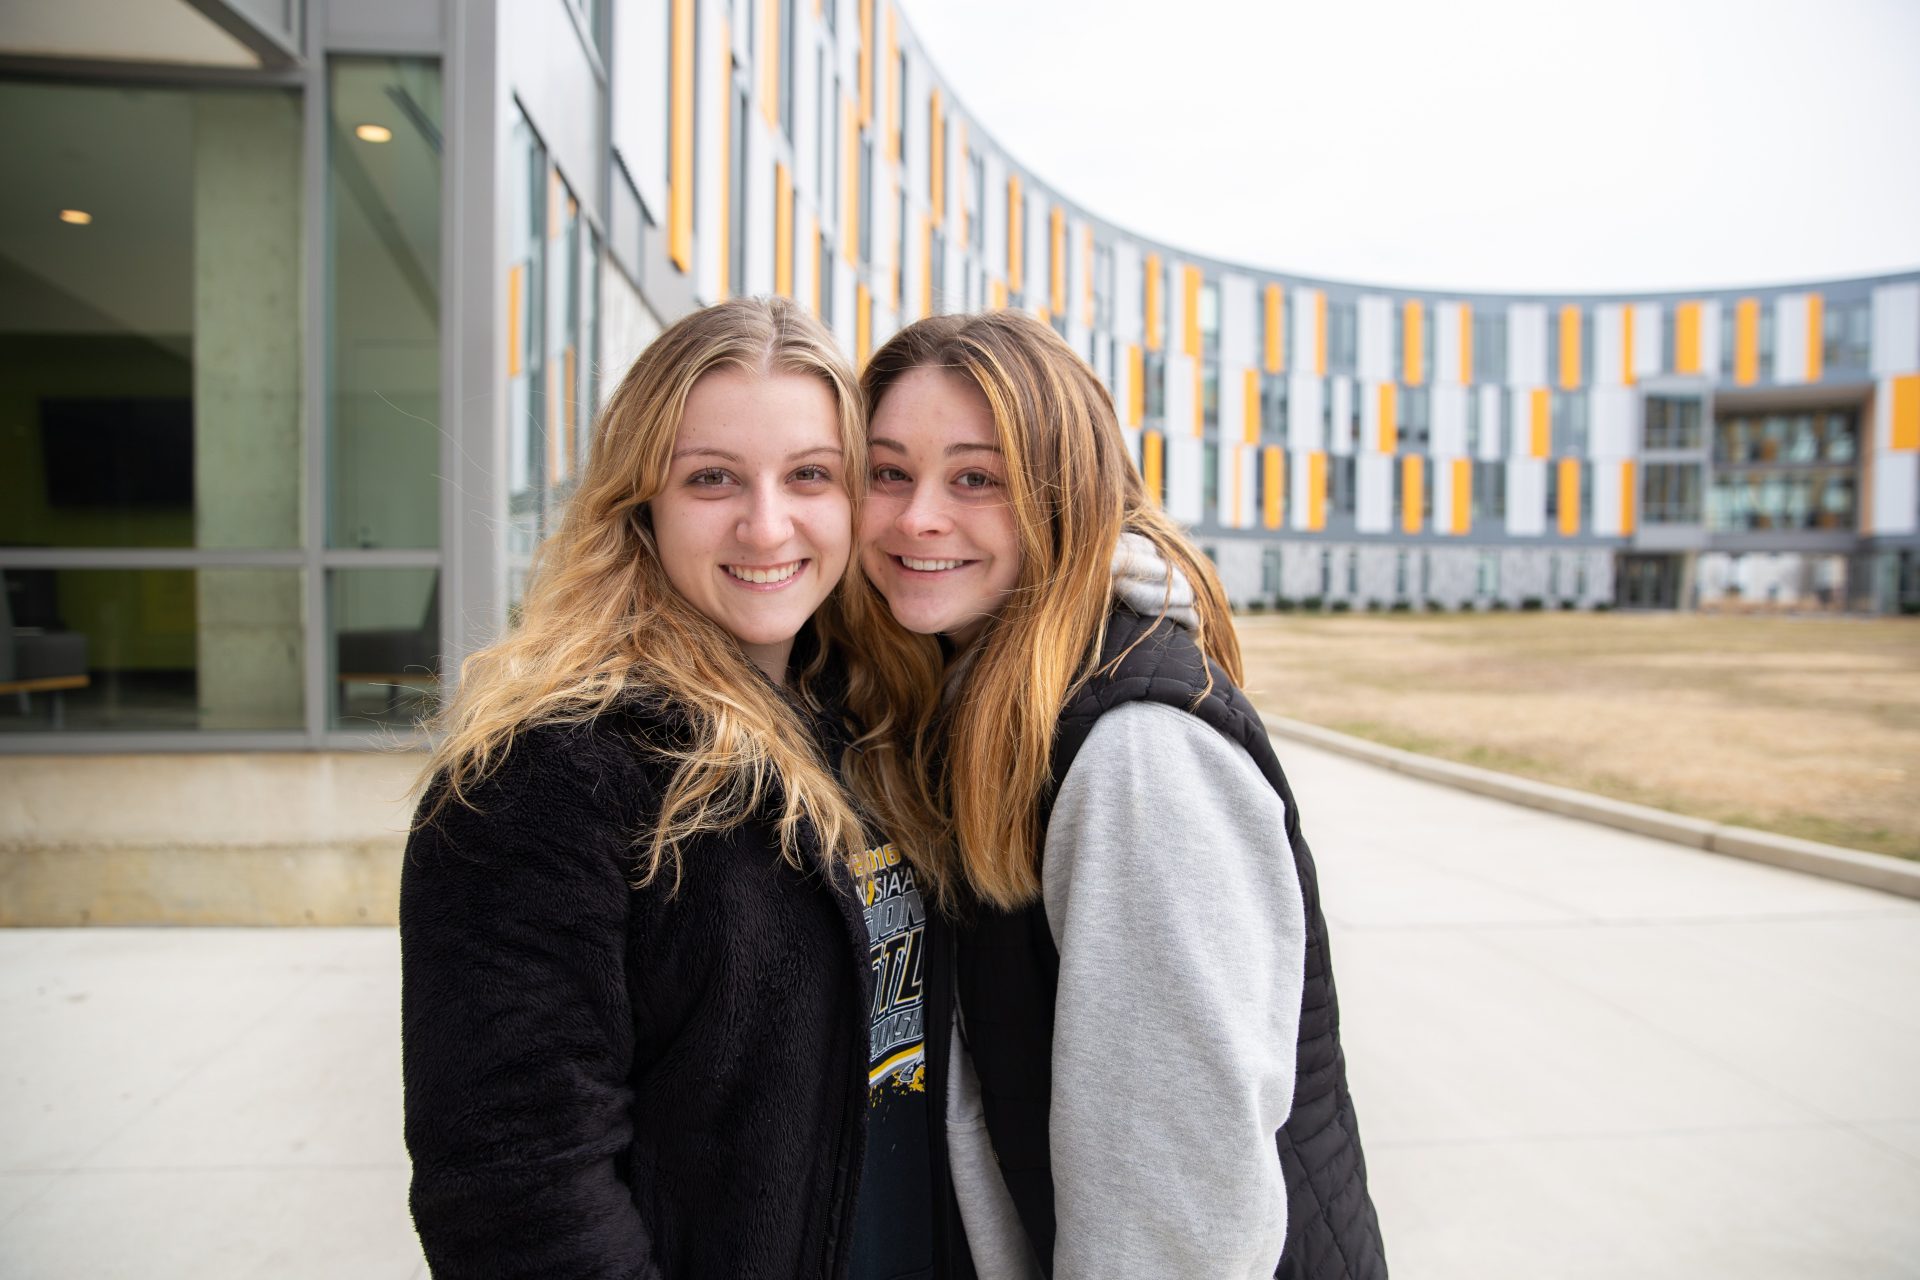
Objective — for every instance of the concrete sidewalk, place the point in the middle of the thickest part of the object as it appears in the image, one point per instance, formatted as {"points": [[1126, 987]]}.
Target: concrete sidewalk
{"points": [[1576, 1053]]}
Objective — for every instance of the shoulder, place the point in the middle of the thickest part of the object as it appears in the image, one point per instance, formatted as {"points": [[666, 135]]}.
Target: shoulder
{"points": [[1177, 751]]}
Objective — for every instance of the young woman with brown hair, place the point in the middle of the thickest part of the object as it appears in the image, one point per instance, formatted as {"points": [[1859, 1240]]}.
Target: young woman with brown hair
{"points": [[645, 939], [1148, 1076]]}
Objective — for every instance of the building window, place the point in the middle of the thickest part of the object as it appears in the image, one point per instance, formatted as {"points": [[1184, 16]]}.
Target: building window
{"points": [[789, 65], [1342, 337], [1671, 423], [1102, 286], [1154, 373], [1340, 484], [1490, 346], [865, 196], [1210, 317], [977, 216], [1670, 493], [1210, 396], [826, 278], [1210, 481], [1569, 422], [1489, 491], [1486, 583], [1847, 335], [1273, 408], [1415, 419], [737, 196]]}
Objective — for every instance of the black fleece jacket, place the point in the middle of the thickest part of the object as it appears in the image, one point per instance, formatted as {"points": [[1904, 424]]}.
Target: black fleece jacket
{"points": [[610, 1082]]}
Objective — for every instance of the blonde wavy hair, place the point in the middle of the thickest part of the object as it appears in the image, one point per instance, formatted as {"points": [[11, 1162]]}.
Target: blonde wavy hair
{"points": [[601, 624], [971, 770]]}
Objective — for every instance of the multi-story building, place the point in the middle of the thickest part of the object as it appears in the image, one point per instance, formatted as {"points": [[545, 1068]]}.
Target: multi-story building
{"points": [[306, 307]]}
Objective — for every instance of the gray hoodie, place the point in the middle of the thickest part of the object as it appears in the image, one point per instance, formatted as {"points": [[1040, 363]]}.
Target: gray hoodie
{"points": [[1177, 913]]}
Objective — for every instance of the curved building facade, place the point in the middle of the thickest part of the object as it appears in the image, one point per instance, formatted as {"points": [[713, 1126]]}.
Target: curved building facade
{"points": [[307, 307]]}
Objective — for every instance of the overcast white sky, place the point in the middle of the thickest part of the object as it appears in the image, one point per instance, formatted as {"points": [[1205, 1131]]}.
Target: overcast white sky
{"points": [[1525, 145]]}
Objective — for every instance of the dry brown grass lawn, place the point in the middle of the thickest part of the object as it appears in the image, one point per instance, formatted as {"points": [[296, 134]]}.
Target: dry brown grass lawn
{"points": [[1809, 727]]}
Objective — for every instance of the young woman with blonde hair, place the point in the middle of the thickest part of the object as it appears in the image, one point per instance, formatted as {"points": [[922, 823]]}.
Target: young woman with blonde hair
{"points": [[1148, 1078], [649, 955]]}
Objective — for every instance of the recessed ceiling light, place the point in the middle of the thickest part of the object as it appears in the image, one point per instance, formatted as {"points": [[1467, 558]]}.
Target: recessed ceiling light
{"points": [[78, 217], [373, 133]]}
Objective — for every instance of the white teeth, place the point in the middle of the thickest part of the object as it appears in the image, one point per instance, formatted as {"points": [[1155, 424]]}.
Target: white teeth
{"points": [[930, 566], [779, 573]]}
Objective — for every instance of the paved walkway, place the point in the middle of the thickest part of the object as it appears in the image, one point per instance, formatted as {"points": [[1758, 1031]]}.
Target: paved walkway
{"points": [[1576, 1052]]}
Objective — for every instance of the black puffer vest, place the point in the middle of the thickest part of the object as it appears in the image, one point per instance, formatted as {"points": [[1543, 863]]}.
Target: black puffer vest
{"points": [[1008, 974]]}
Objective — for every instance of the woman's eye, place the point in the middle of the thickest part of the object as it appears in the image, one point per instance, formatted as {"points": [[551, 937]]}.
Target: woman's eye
{"points": [[888, 475], [975, 480], [813, 475], [709, 478]]}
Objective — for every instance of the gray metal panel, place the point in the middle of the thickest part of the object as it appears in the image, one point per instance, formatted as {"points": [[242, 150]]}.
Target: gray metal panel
{"points": [[270, 28], [388, 26]]}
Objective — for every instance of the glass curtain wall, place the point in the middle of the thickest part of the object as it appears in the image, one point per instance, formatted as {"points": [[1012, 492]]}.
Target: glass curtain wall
{"points": [[150, 408]]}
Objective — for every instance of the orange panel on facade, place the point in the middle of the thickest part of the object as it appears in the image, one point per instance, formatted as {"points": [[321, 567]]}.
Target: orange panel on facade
{"points": [[1250, 396], [1626, 346], [1569, 479], [1905, 413], [1627, 495], [1540, 421], [1152, 301], [866, 60], [1057, 260], [1413, 495], [850, 179], [1152, 468], [997, 295], [516, 276], [1190, 291], [1746, 341], [1686, 337], [1816, 336], [1320, 335], [725, 220], [1276, 343], [926, 265], [1016, 220], [1570, 370], [1388, 437], [1316, 491], [680, 138], [936, 158], [769, 61], [1462, 496], [862, 324], [782, 231], [1413, 342]]}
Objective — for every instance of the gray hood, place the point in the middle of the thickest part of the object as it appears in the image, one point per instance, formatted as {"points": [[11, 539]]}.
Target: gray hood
{"points": [[1146, 583]]}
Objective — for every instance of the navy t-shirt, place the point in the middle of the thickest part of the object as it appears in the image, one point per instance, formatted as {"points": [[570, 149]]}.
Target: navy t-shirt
{"points": [[893, 1222]]}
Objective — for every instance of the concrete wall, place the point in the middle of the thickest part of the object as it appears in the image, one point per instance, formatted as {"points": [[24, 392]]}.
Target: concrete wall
{"points": [[281, 838]]}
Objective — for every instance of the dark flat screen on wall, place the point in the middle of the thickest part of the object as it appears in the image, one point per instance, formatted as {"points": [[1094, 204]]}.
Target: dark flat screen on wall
{"points": [[124, 452]]}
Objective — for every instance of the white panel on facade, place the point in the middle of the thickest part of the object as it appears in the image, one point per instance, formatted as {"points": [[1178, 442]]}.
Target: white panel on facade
{"points": [[995, 217], [712, 119], [1129, 314], [1446, 343], [1132, 436], [1607, 482], [1527, 345], [1527, 497], [1374, 361], [844, 320], [1185, 483], [1340, 418], [1369, 394], [1226, 461], [806, 263], [1896, 493], [641, 58], [1896, 329], [1491, 428], [1612, 434], [1445, 497], [1609, 345], [759, 209], [1299, 479], [1649, 338], [1250, 464], [1790, 338], [1233, 405], [1306, 303], [1710, 338], [1449, 422], [1306, 412], [1239, 323], [1080, 286], [1373, 492], [1181, 391]]}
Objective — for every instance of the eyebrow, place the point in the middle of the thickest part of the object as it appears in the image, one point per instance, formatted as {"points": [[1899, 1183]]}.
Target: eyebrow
{"points": [[884, 443], [831, 449]]}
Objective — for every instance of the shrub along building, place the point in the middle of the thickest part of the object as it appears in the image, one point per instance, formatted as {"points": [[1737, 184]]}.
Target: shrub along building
{"points": [[309, 308]]}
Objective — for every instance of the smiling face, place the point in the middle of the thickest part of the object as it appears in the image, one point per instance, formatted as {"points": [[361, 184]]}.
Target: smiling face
{"points": [[754, 526], [937, 533]]}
